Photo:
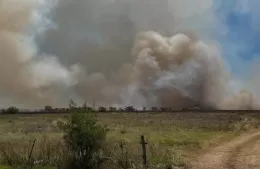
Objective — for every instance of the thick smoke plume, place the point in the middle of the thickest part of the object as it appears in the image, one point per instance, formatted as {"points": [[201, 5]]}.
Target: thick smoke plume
{"points": [[115, 53]]}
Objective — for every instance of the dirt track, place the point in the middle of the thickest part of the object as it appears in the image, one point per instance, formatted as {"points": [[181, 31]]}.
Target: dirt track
{"points": [[242, 152]]}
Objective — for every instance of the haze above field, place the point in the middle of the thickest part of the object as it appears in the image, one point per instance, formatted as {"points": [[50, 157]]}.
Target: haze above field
{"points": [[174, 53]]}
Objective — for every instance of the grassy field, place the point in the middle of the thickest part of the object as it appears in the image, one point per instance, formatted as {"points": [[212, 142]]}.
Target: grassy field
{"points": [[173, 138]]}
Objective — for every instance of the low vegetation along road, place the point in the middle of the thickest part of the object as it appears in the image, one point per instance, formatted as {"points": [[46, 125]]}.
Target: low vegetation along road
{"points": [[242, 152]]}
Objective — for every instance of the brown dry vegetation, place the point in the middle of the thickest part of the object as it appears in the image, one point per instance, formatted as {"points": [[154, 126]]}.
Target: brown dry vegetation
{"points": [[173, 138]]}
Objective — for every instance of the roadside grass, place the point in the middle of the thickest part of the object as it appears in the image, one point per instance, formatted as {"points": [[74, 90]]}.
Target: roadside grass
{"points": [[173, 138], [4, 167], [8, 167]]}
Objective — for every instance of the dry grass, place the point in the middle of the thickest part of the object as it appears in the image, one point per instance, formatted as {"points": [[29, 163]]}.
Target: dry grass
{"points": [[173, 138]]}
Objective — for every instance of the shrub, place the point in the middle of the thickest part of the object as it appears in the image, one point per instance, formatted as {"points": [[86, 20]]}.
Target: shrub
{"points": [[129, 109], [84, 137], [11, 110], [102, 109]]}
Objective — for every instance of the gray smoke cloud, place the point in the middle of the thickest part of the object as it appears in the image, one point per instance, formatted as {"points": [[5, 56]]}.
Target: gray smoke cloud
{"points": [[115, 52]]}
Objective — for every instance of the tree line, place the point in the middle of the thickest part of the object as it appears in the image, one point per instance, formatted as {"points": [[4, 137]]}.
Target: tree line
{"points": [[49, 109]]}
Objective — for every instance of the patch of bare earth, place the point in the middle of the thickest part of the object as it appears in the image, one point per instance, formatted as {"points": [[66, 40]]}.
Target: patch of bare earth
{"points": [[242, 152]]}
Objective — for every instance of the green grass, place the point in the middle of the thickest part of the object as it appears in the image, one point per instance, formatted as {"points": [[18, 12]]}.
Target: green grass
{"points": [[172, 138], [4, 167], [8, 167]]}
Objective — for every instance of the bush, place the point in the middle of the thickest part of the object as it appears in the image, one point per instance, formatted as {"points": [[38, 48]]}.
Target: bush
{"points": [[84, 137], [102, 109], [11, 110], [129, 109]]}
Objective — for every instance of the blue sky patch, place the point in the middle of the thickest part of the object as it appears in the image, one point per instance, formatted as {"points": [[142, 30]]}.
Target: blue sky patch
{"points": [[240, 43]]}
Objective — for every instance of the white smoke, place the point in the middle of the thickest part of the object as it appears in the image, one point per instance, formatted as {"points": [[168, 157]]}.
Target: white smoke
{"points": [[121, 52]]}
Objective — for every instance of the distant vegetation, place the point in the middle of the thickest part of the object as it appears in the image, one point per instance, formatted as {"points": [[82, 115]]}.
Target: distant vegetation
{"points": [[102, 109], [11, 110]]}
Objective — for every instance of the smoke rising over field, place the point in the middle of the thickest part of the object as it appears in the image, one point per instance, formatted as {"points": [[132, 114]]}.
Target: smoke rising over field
{"points": [[115, 52]]}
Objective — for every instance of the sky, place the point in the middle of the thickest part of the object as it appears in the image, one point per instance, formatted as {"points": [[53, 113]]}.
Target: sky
{"points": [[241, 39]]}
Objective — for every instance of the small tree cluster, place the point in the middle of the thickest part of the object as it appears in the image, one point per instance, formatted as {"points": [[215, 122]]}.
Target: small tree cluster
{"points": [[102, 109], [11, 110], [129, 109]]}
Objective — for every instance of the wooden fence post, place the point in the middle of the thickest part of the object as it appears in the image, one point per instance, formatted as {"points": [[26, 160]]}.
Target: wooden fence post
{"points": [[143, 143], [30, 154]]}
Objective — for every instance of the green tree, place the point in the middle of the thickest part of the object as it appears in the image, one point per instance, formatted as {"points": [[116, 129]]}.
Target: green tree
{"points": [[11, 110], [83, 136], [102, 109]]}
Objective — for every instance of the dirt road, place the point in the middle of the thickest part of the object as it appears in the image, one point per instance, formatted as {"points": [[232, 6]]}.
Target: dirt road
{"points": [[242, 152]]}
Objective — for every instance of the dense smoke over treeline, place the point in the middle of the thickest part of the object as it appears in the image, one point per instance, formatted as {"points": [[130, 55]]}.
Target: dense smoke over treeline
{"points": [[115, 53]]}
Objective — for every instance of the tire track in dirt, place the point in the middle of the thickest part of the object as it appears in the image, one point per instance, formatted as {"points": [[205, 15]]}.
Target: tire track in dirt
{"points": [[247, 156], [231, 155]]}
